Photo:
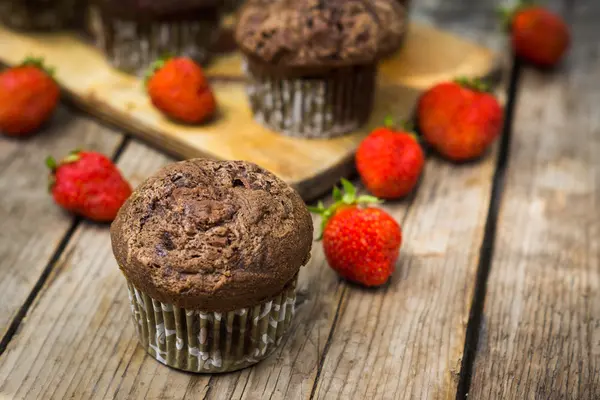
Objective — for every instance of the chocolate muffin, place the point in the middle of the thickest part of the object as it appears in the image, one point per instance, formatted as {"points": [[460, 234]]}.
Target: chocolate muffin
{"points": [[312, 64], [398, 29], [37, 15], [211, 252], [134, 33]]}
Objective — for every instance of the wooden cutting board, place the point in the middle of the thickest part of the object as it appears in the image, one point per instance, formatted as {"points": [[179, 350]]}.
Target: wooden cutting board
{"points": [[311, 166]]}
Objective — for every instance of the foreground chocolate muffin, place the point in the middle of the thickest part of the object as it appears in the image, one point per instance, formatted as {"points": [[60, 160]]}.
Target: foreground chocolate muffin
{"points": [[312, 64], [134, 33], [211, 252], [38, 15]]}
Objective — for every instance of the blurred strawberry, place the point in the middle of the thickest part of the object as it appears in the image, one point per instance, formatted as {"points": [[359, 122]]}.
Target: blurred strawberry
{"points": [[179, 89], [460, 119], [88, 184], [28, 97], [390, 161], [538, 35]]}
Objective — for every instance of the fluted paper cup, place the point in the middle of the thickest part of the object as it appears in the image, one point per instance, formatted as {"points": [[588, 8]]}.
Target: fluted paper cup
{"points": [[313, 106], [208, 342], [133, 46]]}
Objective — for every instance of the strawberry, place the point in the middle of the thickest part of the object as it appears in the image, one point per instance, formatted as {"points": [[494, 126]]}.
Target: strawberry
{"points": [[538, 35], [360, 243], [179, 89], [390, 161], [28, 97], [88, 184], [459, 119]]}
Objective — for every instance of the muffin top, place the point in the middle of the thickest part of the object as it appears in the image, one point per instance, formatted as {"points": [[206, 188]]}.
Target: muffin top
{"points": [[139, 9], [212, 235], [313, 33]]}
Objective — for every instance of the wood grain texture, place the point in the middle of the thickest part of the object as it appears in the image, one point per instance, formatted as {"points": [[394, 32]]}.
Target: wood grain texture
{"points": [[78, 337], [31, 225], [78, 341], [312, 166], [406, 340], [541, 333], [82, 318]]}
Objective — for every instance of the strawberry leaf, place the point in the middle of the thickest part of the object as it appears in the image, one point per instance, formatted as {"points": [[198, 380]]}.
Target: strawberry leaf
{"points": [[507, 14], [349, 191], [337, 194], [342, 198], [51, 163], [155, 66], [38, 62], [367, 199], [473, 83], [388, 122], [71, 158]]}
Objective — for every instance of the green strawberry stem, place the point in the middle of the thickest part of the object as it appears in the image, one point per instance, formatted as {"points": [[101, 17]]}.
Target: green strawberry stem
{"points": [[404, 125], [473, 83], [73, 156], [38, 62], [51, 163], [342, 198], [156, 65], [507, 13]]}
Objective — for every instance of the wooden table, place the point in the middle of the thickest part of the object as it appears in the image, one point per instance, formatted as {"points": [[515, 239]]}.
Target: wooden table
{"points": [[495, 294]]}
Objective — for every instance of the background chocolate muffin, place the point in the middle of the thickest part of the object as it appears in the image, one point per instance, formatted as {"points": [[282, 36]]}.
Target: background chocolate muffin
{"points": [[211, 252], [134, 33], [38, 14], [395, 18], [311, 63]]}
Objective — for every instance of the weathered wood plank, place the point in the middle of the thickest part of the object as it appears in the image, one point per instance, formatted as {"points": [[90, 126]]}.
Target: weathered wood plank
{"points": [[31, 226], [406, 340], [85, 299], [77, 339], [82, 318], [541, 333]]}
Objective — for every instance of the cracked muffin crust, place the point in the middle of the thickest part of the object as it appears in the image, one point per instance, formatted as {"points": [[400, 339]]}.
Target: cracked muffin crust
{"points": [[212, 235], [312, 33]]}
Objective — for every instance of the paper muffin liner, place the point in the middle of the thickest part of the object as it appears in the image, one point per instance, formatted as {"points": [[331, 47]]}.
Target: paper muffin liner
{"points": [[313, 107], [132, 46], [209, 342], [37, 14]]}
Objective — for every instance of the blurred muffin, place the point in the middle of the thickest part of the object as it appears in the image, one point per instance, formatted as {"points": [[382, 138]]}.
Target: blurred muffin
{"points": [[397, 22], [211, 252], [134, 33], [38, 15], [312, 64]]}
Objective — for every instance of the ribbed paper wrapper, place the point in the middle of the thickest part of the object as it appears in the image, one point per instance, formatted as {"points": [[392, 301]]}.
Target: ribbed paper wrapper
{"points": [[37, 14], [198, 341], [312, 107], [133, 46]]}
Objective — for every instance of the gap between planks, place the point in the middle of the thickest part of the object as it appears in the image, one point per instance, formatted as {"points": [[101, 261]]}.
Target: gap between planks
{"points": [[62, 245], [487, 246]]}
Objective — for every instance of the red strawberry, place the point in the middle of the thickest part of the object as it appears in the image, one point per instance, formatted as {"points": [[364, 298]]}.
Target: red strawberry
{"points": [[361, 244], [28, 97], [390, 162], [459, 119], [178, 88], [538, 35], [88, 184]]}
